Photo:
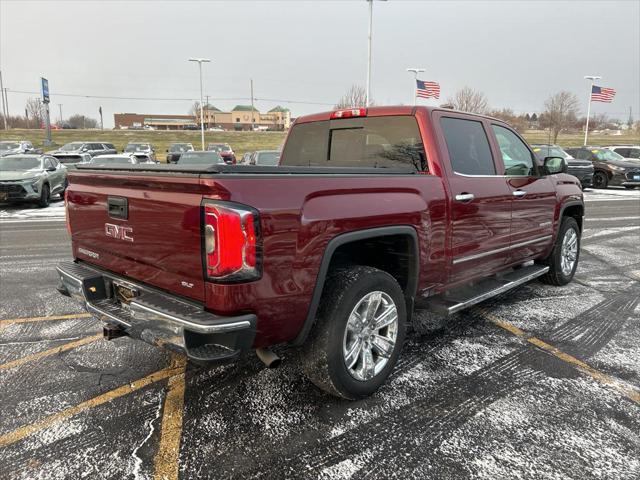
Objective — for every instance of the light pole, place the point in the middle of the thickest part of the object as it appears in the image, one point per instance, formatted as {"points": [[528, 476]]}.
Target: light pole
{"points": [[415, 71], [593, 78], [200, 62], [60, 107], [368, 87]]}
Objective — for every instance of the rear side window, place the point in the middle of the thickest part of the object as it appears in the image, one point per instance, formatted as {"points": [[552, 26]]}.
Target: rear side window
{"points": [[468, 146], [373, 142], [622, 151]]}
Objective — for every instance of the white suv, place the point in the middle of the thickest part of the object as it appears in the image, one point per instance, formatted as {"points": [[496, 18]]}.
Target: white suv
{"points": [[627, 151]]}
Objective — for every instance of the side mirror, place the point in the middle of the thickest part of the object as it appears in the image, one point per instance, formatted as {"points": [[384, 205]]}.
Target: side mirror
{"points": [[51, 169], [553, 165]]}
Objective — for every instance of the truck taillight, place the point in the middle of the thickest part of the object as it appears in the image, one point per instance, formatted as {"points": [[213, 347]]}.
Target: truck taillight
{"points": [[231, 242], [349, 113], [66, 211]]}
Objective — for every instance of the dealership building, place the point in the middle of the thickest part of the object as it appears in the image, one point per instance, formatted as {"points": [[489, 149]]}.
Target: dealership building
{"points": [[241, 117]]}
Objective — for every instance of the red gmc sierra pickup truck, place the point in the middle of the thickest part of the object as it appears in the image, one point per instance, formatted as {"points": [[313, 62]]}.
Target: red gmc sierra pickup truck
{"points": [[371, 213]]}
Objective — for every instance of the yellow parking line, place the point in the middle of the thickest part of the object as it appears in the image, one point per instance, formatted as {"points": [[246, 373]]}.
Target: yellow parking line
{"points": [[20, 433], [629, 392], [166, 461], [51, 351], [11, 321]]}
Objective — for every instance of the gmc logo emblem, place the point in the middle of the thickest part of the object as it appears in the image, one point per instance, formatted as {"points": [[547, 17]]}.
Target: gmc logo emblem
{"points": [[118, 231]]}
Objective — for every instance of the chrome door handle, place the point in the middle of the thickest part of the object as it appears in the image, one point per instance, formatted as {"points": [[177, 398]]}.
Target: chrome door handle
{"points": [[519, 193], [465, 197]]}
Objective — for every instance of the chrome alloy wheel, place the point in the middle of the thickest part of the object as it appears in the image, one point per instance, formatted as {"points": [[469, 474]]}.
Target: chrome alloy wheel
{"points": [[370, 337], [569, 252]]}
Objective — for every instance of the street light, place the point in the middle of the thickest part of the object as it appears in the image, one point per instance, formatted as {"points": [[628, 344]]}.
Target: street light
{"points": [[415, 71], [593, 78], [368, 87], [200, 62]]}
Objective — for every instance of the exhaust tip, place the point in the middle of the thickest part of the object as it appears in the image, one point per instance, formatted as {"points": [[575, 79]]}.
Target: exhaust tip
{"points": [[270, 359]]}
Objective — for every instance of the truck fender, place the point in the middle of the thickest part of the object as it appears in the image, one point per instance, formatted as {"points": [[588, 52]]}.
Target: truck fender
{"points": [[332, 246]]}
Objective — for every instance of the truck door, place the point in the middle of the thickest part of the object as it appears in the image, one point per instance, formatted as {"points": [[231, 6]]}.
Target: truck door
{"points": [[534, 196], [480, 201]]}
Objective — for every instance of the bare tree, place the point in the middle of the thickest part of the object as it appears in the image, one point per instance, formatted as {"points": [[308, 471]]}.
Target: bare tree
{"points": [[195, 110], [34, 110], [80, 121], [469, 100], [519, 122], [560, 112], [356, 96]]}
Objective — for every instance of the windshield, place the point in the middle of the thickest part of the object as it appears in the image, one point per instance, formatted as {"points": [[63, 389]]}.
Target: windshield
{"points": [[71, 146], [268, 158], [217, 147], [606, 155], [106, 159], [137, 147], [19, 163], [9, 146], [180, 147], [200, 158], [550, 151]]}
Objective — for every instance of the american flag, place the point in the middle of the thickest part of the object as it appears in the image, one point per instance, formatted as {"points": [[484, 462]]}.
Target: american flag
{"points": [[602, 94], [427, 89]]}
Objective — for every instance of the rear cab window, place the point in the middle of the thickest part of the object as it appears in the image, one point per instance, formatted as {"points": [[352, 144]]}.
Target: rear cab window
{"points": [[372, 142]]}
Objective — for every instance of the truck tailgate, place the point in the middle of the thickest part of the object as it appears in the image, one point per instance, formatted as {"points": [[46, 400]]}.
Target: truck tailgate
{"points": [[144, 227]]}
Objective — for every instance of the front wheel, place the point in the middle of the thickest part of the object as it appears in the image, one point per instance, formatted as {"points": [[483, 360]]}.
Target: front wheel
{"points": [[563, 260], [358, 334], [45, 196], [600, 180], [629, 187]]}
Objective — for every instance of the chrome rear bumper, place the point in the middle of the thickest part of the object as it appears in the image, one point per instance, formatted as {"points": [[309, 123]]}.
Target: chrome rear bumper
{"points": [[155, 316]]}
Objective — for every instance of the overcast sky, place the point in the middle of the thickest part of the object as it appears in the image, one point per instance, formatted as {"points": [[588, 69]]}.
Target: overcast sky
{"points": [[516, 52]]}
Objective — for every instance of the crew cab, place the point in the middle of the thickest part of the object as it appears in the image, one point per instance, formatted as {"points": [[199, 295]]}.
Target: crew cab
{"points": [[370, 214]]}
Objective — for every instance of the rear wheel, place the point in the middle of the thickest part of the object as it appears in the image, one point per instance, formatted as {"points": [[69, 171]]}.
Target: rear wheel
{"points": [[45, 196], [358, 334], [600, 180], [64, 189], [563, 260]]}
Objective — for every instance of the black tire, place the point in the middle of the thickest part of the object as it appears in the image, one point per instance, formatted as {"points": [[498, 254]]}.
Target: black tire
{"points": [[600, 180], [629, 187], [322, 355], [64, 189], [555, 276], [45, 196]]}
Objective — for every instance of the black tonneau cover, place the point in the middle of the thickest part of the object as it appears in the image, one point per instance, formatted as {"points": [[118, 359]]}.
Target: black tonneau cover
{"points": [[246, 169]]}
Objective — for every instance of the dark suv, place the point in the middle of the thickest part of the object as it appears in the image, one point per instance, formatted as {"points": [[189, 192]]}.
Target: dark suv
{"points": [[610, 168], [581, 169]]}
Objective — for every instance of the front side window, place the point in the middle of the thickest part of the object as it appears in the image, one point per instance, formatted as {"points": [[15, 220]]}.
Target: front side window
{"points": [[468, 146], [516, 157], [373, 142]]}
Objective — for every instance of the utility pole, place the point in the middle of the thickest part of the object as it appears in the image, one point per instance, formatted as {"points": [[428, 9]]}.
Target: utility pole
{"points": [[60, 107], [252, 112], [4, 107], [200, 62], [415, 71], [593, 78]]}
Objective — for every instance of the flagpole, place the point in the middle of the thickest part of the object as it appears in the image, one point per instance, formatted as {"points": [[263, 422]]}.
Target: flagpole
{"points": [[415, 71], [593, 78]]}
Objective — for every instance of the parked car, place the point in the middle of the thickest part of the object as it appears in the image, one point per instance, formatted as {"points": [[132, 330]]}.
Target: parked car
{"points": [[31, 177], [246, 158], [611, 169], [145, 158], [191, 127], [118, 159], [78, 152], [626, 151], [201, 158], [331, 249], [265, 157], [11, 147], [176, 149], [581, 169], [140, 149], [225, 151]]}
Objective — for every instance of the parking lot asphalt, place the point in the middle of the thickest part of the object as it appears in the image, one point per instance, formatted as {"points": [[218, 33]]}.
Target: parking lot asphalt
{"points": [[541, 382]]}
